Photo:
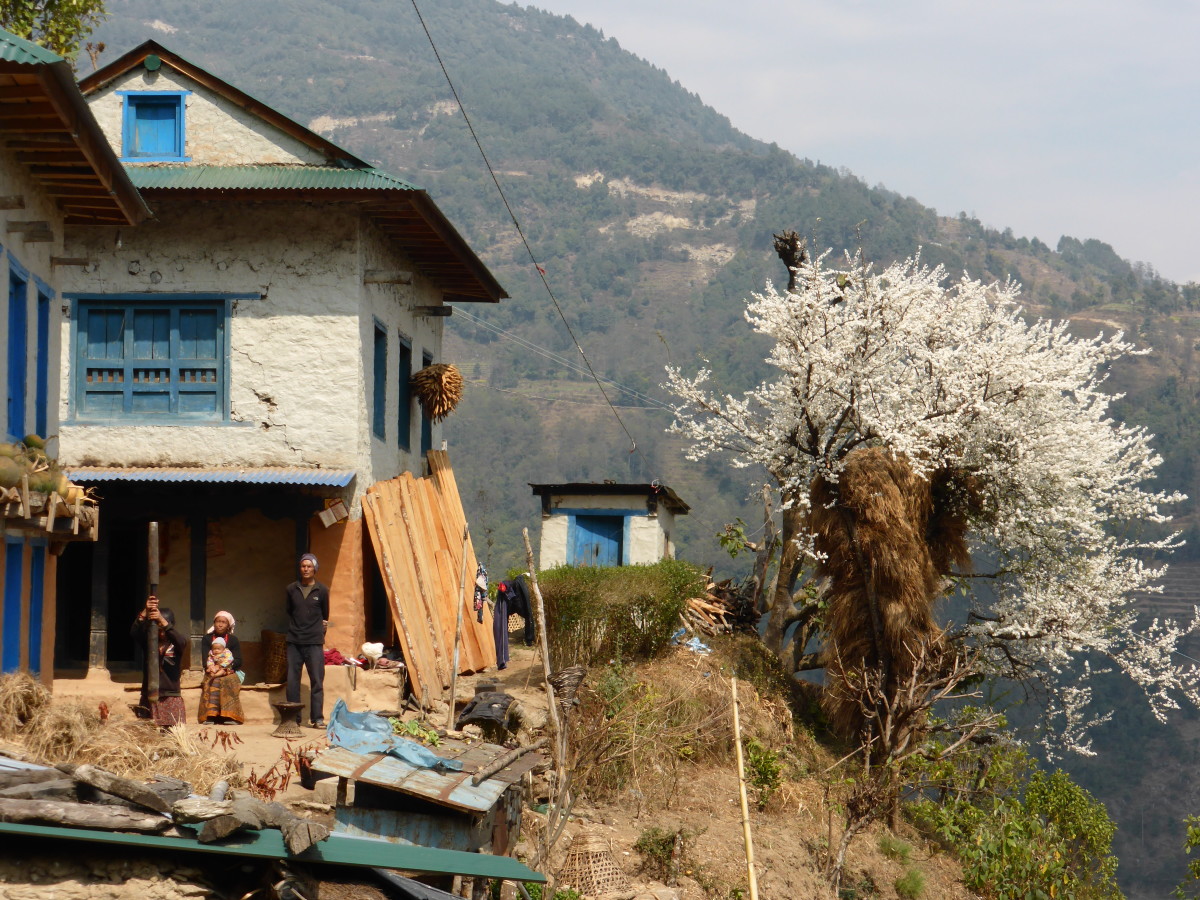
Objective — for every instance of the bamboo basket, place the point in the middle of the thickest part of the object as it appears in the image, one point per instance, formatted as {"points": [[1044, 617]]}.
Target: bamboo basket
{"points": [[590, 867], [274, 649]]}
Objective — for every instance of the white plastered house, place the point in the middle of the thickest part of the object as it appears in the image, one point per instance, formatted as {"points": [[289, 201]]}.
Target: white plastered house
{"points": [[241, 359], [607, 524]]}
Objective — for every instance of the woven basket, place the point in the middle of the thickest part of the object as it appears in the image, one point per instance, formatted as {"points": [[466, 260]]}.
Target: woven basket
{"points": [[590, 867], [274, 650]]}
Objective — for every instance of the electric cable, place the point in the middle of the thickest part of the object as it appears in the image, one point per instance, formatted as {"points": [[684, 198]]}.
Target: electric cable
{"points": [[634, 448]]}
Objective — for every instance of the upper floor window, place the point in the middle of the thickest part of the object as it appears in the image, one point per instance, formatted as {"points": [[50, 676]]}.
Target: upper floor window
{"points": [[151, 360], [153, 128]]}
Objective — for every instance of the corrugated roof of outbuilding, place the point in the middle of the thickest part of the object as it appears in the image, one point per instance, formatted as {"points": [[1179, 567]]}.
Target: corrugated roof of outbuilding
{"points": [[19, 50], [213, 474], [264, 177]]}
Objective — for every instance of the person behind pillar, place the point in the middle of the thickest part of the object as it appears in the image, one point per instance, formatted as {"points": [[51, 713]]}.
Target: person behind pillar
{"points": [[308, 617]]}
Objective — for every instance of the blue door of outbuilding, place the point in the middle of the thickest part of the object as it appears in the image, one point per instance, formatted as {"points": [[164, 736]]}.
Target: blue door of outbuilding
{"points": [[597, 540]]}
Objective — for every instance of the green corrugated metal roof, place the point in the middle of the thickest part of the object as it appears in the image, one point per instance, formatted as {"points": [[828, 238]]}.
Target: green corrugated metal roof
{"points": [[337, 849], [19, 50], [192, 177]]}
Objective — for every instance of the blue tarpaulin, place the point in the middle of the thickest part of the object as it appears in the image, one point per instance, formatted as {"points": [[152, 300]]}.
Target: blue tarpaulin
{"points": [[366, 732]]}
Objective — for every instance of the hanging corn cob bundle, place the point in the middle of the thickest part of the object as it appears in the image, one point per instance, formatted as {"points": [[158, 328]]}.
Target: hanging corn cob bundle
{"points": [[439, 388]]}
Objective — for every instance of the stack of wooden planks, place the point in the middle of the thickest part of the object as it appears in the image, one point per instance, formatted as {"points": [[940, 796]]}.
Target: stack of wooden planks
{"points": [[416, 527]]}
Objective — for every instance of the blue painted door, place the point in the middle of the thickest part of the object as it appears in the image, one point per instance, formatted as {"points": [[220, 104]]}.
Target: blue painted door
{"points": [[155, 127], [10, 642], [597, 541], [41, 403], [18, 355], [37, 584]]}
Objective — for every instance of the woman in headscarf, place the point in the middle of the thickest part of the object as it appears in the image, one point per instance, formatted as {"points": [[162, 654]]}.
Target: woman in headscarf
{"points": [[168, 710], [220, 700]]}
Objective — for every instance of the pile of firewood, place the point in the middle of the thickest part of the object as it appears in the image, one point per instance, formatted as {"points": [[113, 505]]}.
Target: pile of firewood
{"points": [[725, 607], [89, 797]]}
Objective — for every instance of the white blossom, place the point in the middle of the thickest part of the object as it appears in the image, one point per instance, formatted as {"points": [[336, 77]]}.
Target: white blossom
{"points": [[955, 376]]}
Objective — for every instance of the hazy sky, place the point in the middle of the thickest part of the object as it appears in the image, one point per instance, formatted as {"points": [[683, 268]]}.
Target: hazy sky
{"points": [[1048, 117]]}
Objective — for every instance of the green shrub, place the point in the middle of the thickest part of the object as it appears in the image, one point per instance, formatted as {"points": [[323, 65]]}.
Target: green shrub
{"points": [[594, 615], [1020, 832], [764, 770], [894, 848], [910, 885]]}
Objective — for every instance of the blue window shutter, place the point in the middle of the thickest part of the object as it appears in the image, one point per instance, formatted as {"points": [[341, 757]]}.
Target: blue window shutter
{"points": [[41, 408], [155, 126], [404, 397], [10, 645], [379, 383], [18, 354], [426, 424], [151, 362]]}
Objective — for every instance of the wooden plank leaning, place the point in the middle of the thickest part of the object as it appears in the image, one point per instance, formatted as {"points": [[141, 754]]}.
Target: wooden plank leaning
{"points": [[413, 658]]}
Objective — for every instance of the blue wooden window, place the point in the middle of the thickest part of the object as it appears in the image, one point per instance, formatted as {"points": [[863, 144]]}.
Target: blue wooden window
{"points": [[426, 424], [153, 127], [404, 397], [597, 540], [37, 584], [41, 405], [18, 353], [379, 383], [151, 360], [10, 645]]}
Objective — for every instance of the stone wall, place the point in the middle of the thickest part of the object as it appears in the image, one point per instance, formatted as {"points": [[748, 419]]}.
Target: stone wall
{"points": [[216, 132]]}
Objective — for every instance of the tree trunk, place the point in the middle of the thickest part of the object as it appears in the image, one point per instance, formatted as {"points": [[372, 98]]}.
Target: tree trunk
{"points": [[80, 815]]}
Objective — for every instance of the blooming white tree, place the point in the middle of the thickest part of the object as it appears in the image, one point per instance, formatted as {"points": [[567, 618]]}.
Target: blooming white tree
{"points": [[952, 378]]}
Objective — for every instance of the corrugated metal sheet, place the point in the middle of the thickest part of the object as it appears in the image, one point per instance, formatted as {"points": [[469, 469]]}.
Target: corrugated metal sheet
{"points": [[215, 475], [19, 50], [339, 849], [187, 177], [452, 789]]}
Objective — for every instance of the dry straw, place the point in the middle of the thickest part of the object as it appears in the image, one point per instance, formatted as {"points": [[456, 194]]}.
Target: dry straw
{"points": [[75, 733], [21, 698]]}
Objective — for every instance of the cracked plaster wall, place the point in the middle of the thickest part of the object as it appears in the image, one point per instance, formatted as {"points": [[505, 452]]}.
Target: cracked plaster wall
{"points": [[34, 258], [300, 356], [216, 132]]}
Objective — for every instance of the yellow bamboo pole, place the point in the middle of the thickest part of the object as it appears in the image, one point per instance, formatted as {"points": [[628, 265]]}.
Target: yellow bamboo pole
{"points": [[737, 743]]}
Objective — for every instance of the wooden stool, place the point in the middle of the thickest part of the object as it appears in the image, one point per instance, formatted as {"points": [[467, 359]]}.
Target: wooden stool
{"points": [[289, 720]]}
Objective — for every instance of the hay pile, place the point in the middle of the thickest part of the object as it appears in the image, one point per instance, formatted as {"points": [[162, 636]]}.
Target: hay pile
{"points": [[78, 733], [439, 388], [28, 458]]}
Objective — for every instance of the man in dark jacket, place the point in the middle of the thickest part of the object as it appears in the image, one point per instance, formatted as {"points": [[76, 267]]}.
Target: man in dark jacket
{"points": [[308, 617]]}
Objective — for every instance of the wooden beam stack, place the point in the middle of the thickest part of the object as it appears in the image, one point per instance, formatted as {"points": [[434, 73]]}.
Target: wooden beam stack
{"points": [[416, 527]]}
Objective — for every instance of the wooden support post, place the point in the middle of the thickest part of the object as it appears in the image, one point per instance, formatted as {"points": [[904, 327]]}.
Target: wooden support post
{"points": [[462, 590], [152, 627], [737, 743], [198, 588], [98, 646]]}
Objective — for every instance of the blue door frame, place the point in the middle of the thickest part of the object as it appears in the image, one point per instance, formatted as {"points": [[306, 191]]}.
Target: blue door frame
{"points": [[10, 642], [18, 354]]}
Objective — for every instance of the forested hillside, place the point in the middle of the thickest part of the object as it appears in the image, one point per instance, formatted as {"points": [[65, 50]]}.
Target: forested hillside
{"points": [[652, 218]]}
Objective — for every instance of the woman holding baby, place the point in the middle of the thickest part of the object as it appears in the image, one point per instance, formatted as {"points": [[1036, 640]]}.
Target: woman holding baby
{"points": [[220, 702]]}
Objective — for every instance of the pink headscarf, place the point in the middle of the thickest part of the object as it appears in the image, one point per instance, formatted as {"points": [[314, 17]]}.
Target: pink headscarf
{"points": [[223, 615]]}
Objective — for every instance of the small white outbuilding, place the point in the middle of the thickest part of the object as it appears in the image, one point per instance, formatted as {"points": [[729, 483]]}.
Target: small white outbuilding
{"points": [[607, 524]]}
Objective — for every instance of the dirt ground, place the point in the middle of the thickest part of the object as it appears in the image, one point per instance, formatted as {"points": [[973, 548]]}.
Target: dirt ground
{"points": [[789, 835]]}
